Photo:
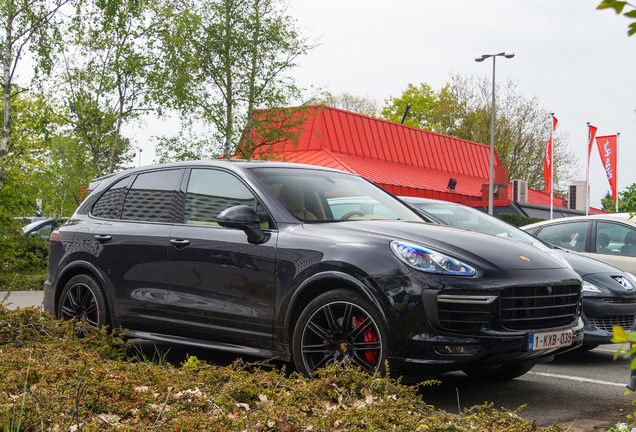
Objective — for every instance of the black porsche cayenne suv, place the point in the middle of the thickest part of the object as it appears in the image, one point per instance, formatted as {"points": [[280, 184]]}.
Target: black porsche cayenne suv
{"points": [[276, 260]]}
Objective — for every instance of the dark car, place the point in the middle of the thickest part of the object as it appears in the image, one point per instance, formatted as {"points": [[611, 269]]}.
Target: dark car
{"points": [[609, 294], [42, 228], [249, 257]]}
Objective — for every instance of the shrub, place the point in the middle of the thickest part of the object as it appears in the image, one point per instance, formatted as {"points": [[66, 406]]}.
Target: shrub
{"points": [[518, 220]]}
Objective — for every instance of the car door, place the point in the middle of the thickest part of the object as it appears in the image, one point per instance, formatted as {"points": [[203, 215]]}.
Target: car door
{"points": [[222, 287], [615, 243], [131, 246]]}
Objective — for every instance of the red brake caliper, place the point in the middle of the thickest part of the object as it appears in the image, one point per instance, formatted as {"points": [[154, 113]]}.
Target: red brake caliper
{"points": [[368, 336]]}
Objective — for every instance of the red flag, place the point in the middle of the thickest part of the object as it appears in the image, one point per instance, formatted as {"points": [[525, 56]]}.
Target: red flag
{"points": [[591, 133], [607, 147], [547, 160]]}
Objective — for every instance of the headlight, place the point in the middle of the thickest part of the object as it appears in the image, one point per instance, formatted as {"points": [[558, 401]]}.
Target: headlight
{"points": [[428, 260], [590, 288]]}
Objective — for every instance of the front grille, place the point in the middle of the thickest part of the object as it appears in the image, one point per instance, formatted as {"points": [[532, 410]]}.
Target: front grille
{"points": [[531, 308], [608, 322], [464, 316]]}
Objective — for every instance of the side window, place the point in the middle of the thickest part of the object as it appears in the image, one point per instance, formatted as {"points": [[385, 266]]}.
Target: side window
{"points": [[108, 205], [152, 197], [211, 191], [571, 235], [615, 239]]}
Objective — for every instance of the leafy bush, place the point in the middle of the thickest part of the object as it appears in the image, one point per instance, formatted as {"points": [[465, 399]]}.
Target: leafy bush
{"points": [[27, 280], [53, 380], [518, 220]]}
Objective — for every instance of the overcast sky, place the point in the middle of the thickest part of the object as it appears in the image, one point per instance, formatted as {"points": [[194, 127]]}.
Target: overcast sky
{"points": [[577, 60]]}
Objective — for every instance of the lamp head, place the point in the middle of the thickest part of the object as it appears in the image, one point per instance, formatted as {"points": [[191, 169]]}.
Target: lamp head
{"points": [[509, 54]]}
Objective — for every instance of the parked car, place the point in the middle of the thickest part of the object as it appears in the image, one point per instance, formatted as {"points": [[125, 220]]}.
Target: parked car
{"points": [[42, 228], [249, 257], [609, 294], [609, 237]]}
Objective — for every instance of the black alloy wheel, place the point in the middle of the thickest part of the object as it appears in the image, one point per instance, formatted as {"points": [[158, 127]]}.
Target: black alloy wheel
{"points": [[339, 327], [83, 299]]}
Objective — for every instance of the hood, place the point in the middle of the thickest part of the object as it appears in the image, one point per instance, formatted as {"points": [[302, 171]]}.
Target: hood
{"points": [[483, 250], [585, 265]]}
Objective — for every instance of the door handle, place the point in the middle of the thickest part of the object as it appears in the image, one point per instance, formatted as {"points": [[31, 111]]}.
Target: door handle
{"points": [[179, 243], [103, 238]]}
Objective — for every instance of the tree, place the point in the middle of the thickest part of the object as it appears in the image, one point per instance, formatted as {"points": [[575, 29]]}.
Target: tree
{"points": [[626, 201], [28, 26], [618, 7], [225, 59], [108, 57], [359, 104], [462, 108], [34, 129]]}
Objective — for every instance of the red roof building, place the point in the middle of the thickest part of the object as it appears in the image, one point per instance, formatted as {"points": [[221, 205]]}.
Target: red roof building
{"points": [[402, 159]]}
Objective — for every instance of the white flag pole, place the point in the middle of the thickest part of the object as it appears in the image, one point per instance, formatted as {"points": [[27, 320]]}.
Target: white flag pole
{"points": [[587, 174], [551, 169], [617, 153]]}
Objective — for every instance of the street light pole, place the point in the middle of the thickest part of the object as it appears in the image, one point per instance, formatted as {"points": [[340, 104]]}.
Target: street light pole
{"points": [[492, 126]]}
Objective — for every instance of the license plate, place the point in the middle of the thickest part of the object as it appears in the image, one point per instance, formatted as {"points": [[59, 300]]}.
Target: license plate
{"points": [[548, 340]]}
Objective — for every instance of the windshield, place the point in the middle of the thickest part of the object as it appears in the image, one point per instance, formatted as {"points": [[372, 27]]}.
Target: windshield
{"points": [[326, 196], [469, 218]]}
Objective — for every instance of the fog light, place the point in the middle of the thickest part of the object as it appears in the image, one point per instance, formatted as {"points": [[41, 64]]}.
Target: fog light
{"points": [[456, 349]]}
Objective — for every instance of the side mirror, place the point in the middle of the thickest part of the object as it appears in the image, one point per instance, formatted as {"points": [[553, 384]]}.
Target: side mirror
{"points": [[245, 218]]}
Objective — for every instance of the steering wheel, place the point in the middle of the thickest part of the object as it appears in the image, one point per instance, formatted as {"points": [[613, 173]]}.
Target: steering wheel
{"points": [[347, 215]]}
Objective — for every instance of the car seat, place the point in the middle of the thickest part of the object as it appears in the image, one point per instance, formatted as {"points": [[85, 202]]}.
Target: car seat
{"points": [[292, 197], [629, 248], [602, 241]]}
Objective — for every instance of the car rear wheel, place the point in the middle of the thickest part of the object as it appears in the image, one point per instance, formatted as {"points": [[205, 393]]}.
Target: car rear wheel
{"points": [[500, 372], [83, 298], [340, 327]]}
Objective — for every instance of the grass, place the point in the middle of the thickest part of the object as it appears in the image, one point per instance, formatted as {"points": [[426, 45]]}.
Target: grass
{"points": [[23, 280]]}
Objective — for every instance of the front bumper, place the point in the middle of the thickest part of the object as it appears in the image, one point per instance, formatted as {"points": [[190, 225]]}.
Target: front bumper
{"points": [[601, 314], [432, 354]]}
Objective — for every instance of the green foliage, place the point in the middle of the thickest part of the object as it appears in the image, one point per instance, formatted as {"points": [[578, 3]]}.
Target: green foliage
{"points": [[626, 200], [28, 25], [518, 220], [619, 7], [23, 280], [421, 101], [53, 380]]}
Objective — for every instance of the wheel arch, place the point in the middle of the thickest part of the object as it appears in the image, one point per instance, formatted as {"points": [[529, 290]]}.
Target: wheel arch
{"points": [[78, 268], [321, 283]]}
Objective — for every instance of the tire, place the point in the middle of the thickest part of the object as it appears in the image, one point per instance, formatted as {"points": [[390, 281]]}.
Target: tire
{"points": [[83, 299], [499, 373], [339, 327]]}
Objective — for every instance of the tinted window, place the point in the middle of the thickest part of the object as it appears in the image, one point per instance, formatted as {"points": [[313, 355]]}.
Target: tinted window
{"points": [[108, 205], [211, 191], [152, 197], [615, 239], [310, 194], [571, 235]]}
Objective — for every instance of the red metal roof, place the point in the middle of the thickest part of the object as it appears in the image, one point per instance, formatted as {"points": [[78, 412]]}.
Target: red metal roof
{"points": [[403, 159]]}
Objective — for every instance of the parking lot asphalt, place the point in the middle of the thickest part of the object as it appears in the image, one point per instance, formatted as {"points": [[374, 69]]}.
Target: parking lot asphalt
{"points": [[21, 299]]}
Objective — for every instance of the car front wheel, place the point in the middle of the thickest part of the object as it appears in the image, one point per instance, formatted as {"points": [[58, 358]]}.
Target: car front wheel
{"points": [[340, 327], [82, 298]]}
